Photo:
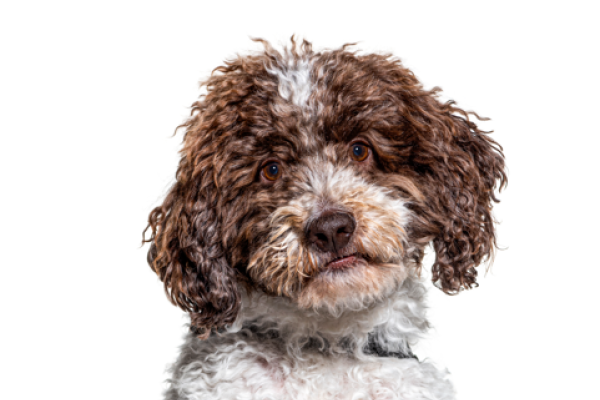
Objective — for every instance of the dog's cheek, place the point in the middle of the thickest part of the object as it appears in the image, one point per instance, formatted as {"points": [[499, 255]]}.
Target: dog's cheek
{"points": [[253, 227], [281, 263]]}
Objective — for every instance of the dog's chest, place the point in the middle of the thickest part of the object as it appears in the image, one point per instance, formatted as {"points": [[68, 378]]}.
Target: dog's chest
{"points": [[325, 377], [260, 371]]}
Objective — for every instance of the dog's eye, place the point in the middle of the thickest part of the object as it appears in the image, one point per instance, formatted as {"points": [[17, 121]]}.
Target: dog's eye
{"points": [[271, 171], [359, 152]]}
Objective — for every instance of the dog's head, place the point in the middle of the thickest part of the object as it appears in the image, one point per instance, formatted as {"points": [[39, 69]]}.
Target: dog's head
{"points": [[321, 177]]}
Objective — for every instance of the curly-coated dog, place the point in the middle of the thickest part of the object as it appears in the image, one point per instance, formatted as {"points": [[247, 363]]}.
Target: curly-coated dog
{"points": [[309, 185]]}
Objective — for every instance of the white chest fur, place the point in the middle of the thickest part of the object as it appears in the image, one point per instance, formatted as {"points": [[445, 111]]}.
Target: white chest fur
{"points": [[275, 353]]}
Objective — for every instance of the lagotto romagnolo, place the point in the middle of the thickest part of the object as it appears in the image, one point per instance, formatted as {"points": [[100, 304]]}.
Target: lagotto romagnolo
{"points": [[309, 185]]}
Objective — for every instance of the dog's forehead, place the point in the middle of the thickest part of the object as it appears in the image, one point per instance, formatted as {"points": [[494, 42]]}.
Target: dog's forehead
{"points": [[318, 100], [295, 82]]}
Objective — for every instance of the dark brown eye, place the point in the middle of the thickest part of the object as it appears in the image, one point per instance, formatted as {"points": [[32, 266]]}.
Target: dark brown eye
{"points": [[359, 152], [271, 171]]}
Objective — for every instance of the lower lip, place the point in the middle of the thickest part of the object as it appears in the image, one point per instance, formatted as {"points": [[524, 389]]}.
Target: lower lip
{"points": [[342, 262]]}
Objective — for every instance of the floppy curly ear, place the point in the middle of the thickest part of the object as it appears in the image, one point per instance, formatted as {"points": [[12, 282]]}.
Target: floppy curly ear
{"points": [[186, 251], [463, 168]]}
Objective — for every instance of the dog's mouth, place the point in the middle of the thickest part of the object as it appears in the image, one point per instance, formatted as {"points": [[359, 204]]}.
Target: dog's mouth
{"points": [[343, 262]]}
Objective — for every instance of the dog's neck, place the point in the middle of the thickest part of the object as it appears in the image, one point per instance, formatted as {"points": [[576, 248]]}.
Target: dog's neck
{"points": [[386, 328]]}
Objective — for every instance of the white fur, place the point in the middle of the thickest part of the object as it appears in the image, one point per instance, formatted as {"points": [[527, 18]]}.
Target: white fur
{"points": [[241, 364], [295, 84]]}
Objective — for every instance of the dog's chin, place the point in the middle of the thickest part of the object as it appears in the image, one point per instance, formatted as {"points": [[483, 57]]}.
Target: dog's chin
{"points": [[350, 283]]}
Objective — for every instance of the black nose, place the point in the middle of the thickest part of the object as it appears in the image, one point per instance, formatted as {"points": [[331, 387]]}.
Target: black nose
{"points": [[331, 231]]}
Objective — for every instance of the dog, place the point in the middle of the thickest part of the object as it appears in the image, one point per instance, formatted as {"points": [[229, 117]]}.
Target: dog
{"points": [[309, 185]]}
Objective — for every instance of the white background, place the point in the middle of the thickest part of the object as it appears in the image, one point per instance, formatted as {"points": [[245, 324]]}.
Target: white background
{"points": [[90, 95]]}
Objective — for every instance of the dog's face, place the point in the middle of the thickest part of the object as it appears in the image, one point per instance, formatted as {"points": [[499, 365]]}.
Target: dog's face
{"points": [[321, 177]]}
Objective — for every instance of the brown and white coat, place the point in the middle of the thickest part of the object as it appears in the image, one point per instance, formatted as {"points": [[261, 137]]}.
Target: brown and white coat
{"points": [[308, 187]]}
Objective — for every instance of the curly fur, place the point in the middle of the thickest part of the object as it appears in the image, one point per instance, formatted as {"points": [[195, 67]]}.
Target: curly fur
{"points": [[274, 352], [231, 247]]}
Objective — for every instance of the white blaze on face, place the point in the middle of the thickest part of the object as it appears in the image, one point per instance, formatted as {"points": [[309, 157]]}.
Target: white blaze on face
{"points": [[287, 265], [295, 84]]}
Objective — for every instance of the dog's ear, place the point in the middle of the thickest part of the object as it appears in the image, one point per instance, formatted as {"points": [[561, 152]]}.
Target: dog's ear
{"points": [[460, 168], [186, 249]]}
